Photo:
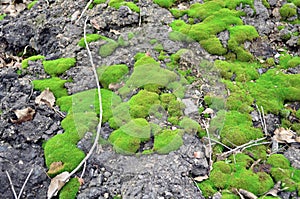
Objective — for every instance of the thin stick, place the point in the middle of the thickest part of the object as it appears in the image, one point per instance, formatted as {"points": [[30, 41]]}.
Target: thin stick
{"points": [[83, 171], [220, 143], [264, 119], [244, 146], [210, 148], [82, 13], [28, 176], [100, 104], [11, 185]]}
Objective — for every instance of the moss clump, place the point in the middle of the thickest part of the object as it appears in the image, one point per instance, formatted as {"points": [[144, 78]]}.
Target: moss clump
{"points": [[60, 149], [288, 10], [213, 46], [55, 84], [242, 71], [141, 103], [31, 4], [190, 126], [127, 138], [167, 141], [258, 152], [88, 101], [165, 3], [148, 72], [238, 35], [108, 48], [70, 190], [207, 188], [2, 16], [278, 161], [118, 3], [238, 129], [242, 160], [166, 98], [111, 74], [89, 38], [121, 115], [32, 58], [58, 66]]}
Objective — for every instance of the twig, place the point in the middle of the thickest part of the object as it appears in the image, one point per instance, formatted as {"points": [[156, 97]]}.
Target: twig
{"points": [[244, 146], [220, 143], [82, 13], [66, 178], [264, 119], [28, 176], [100, 104], [83, 171], [11, 185], [210, 148]]}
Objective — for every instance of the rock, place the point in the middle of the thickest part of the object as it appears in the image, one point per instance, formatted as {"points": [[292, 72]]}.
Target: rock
{"points": [[190, 107]]}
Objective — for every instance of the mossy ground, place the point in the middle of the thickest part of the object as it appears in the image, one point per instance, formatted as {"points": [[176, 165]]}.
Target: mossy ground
{"points": [[32, 58], [58, 66]]}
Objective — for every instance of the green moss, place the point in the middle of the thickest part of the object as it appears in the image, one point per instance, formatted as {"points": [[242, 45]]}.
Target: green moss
{"points": [[60, 148], [214, 102], [118, 3], [55, 84], [32, 58], [2, 16], [120, 115], [258, 152], [165, 3], [141, 103], [167, 141], [242, 70], [229, 195], [242, 160], [293, 62], [190, 126], [122, 42], [288, 10], [153, 41], [108, 48], [298, 114], [232, 4], [88, 101], [166, 98], [175, 108], [296, 2], [178, 13], [219, 179], [213, 46], [280, 174], [148, 72], [127, 139], [266, 4], [238, 35], [58, 66], [278, 161], [31, 4], [207, 188], [238, 129], [99, 1], [111, 74], [158, 47], [70, 190], [89, 38], [130, 35]]}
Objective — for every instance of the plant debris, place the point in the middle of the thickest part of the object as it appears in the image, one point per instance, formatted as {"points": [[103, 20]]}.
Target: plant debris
{"points": [[23, 115]]}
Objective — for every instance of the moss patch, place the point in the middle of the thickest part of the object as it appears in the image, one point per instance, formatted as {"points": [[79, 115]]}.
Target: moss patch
{"points": [[190, 126], [32, 58], [55, 84], [127, 138], [70, 190], [58, 66], [288, 10], [89, 38], [111, 74], [31, 4], [167, 141], [118, 3]]}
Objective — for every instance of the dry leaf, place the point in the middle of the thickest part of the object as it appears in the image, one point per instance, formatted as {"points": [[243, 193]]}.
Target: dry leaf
{"points": [[283, 135], [201, 178], [46, 97], [247, 194], [23, 115], [57, 183], [80, 180], [55, 167]]}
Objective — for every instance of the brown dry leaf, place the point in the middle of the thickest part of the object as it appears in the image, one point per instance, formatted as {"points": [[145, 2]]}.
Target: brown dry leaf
{"points": [[57, 183], [283, 135], [247, 194], [23, 115], [55, 167], [201, 178], [46, 97], [80, 180]]}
